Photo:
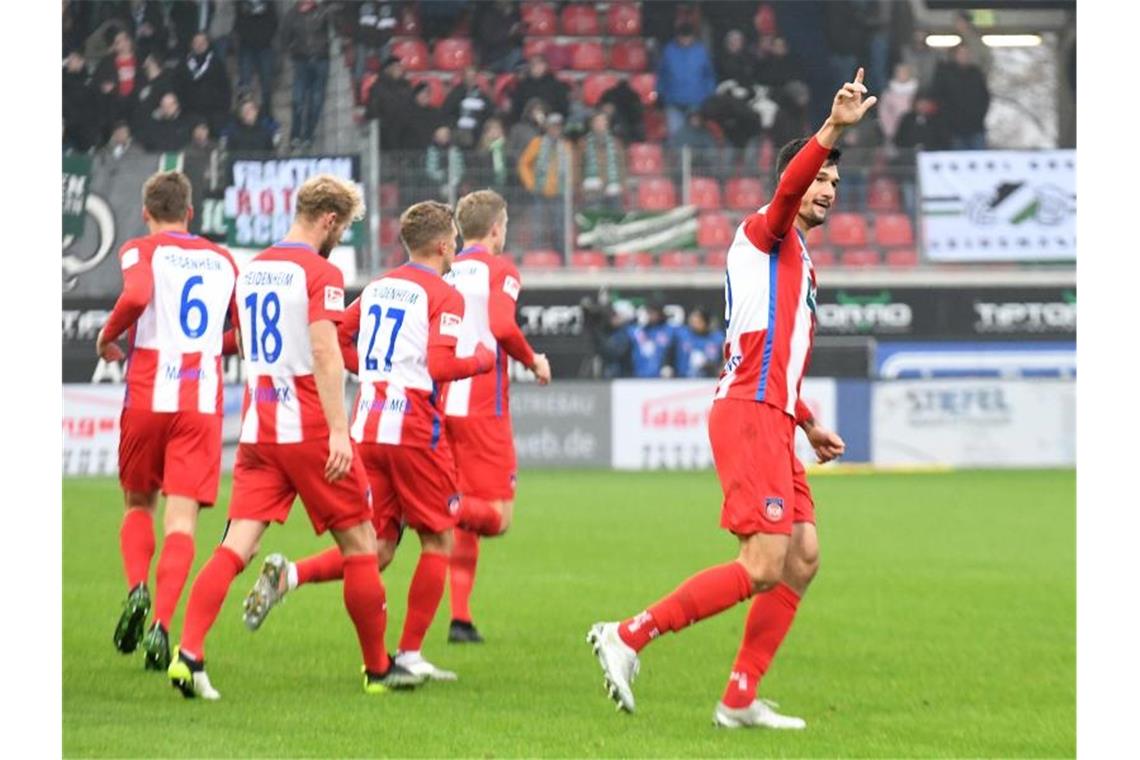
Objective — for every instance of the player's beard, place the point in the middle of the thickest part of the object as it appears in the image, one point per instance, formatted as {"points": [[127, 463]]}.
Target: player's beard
{"points": [[331, 240]]}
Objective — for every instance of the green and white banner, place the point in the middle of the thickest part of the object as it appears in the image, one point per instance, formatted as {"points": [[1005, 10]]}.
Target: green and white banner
{"points": [[76, 173], [636, 231], [999, 205]]}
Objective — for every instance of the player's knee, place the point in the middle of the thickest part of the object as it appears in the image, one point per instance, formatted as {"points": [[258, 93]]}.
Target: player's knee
{"points": [[801, 571], [385, 552], [764, 571], [436, 543]]}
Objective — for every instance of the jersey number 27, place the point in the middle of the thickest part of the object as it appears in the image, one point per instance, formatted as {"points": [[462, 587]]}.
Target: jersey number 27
{"points": [[377, 314]]}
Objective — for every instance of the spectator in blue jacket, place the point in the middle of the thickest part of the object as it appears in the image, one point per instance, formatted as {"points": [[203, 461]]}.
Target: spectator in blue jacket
{"points": [[685, 77], [652, 344], [700, 349]]}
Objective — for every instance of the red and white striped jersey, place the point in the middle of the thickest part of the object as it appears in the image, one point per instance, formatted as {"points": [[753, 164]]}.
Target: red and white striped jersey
{"points": [[175, 359], [490, 286], [770, 297], [398, 318], [283, 290]]}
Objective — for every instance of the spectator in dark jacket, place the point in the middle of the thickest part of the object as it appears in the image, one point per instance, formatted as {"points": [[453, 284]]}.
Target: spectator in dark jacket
{"points": [[121, 145], [963, 98], [147, 25], [422, 121], [81, 126], [737, 62], [390, 100], [539, 83], [779, 66], [467, 106], [117, 78], [498, 32], [525, 129], [189, 17], [685, 77], [922, 128], [443, 164], [372, 24], [305, 35], [248, 131], [156, 81], [255, 27], [168, 129], [627, 114], [847, 30], [204, 84]]}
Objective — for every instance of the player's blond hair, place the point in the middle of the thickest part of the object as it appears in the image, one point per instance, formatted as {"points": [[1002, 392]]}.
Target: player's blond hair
{"points": [[166, 196], [477, 213], [425, 223], [324, 193]]}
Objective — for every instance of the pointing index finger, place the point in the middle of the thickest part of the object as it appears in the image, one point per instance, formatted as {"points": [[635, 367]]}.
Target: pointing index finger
{"points": [[859, 75]]}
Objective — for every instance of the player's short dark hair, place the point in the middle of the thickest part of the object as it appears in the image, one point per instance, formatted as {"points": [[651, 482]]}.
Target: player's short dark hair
{"points": [[789, 151], [426, 222], [166, 196]]}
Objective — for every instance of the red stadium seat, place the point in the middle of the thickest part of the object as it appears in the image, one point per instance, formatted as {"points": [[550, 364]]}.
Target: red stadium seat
{"points": [[822, 257], [435, 88], [544, 259], [588, 56], [504, 83], [629, 55], [655, 129], [539, 19], [883, 195], [389, 195], [453, 54], [639, 260], [413, 53], [714, 231], [679, 260], [860, 257], [580, 20], [588, 260], [645, 159], [623, 20], [389, 230], [656, 194], [704, 193], [814, 238], [893, 229], [538, 46], [744, 194], [847, 229], [716, 258], [645, 85], [595, 85], [902, 258]]}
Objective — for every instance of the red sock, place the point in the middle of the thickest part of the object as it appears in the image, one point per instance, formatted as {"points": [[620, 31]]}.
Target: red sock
{"points": [[366, 604], [769, 619], [464, 557], [206, 598], [136, 543], [319, 568], [478, 516], [423, 599], [170, 578], [704, 595]]}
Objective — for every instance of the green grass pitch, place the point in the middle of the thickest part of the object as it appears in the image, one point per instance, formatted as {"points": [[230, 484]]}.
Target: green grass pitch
{"points": [[942, 624]]}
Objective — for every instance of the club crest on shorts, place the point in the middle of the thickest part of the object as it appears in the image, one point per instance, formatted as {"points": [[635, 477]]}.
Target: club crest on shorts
{"points": [[773, 508], [453, 504]]}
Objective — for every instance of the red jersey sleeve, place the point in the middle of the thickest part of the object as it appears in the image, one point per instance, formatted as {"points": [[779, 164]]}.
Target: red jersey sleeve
{"points": [[326, 293], [443, 335], [446, 317], [346, 332], [138, 287], [504, 296], [803, 413], [765, 228]]}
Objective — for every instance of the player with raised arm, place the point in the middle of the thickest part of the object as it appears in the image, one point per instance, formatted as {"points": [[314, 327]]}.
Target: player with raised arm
{"points": [[400, 335], [479, 408], [177, 289], [294, 435], [770, 292]]}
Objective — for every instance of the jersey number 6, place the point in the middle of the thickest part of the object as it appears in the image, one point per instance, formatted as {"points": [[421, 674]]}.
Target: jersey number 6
{"points": [[192, 304]]}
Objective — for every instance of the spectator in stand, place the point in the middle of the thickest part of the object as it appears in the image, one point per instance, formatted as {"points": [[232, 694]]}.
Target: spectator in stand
{"points": [[694, 134], [896, 100], [923, 127], [201, 143], [117, 77], [736, 61], [422, 120], [623, 106], [247, 132], [146, 24], [652, 344], [600, 161], [847, 31], [155, 82], [792, 119], [685, 77], [489, 162], [498, 33], [305, 34], [167, 129], [438, 18], [189, 17], [466, 108], [255, 27], [921, 58], [963, 98], [443, 164], [539, 82], [221, 28], [204, 84], [540, 170], [699, 348], [81, 126], [390, 100], [980, 52], [121, 145], [525, 129], [779, 66], [372, 24]]}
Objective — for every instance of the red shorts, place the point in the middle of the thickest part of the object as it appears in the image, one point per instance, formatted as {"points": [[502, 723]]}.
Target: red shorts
{"points": [[269, 476], [765, 487], [484, 450], [410, 486], [177, 452]]}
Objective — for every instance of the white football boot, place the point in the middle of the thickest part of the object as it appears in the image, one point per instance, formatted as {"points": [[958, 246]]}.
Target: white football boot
{"points": [[415, 663], [189, 677], [758, 714], [619, 663]]}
